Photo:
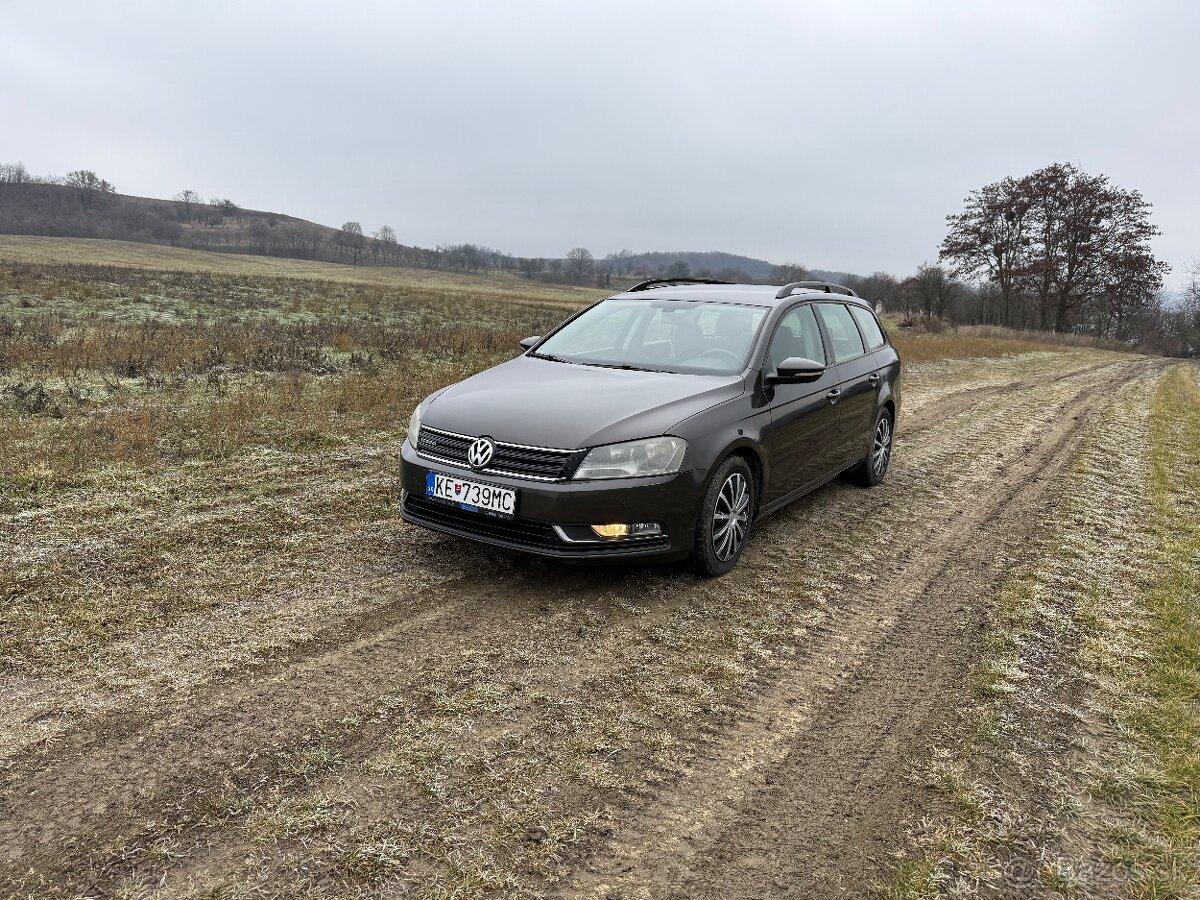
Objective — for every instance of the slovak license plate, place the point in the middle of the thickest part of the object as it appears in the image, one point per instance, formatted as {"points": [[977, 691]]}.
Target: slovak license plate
{"points": [[485, 498]]}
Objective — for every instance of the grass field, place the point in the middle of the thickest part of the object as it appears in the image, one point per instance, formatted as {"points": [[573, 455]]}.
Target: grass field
{"points": [[229, 670]]}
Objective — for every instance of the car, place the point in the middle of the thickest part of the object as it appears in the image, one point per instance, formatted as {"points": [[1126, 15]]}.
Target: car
{"points": [[660, 423]]}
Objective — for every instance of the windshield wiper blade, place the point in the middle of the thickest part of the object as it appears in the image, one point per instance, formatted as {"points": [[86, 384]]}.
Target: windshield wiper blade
{"points": [[551, 357], [626, 366]]}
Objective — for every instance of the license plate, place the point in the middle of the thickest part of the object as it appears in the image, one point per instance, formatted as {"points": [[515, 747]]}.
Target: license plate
{"points": [[472, 495]]}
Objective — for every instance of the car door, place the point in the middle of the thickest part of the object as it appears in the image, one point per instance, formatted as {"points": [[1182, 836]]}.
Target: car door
{"points": [[856, 391], [878, 360], [804, 432]]}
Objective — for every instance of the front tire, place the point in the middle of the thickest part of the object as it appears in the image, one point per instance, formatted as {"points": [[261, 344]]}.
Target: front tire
{"points": [[872, 470], [725, 518]]}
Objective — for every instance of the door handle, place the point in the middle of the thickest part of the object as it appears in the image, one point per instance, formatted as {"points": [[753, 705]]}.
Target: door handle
{"points": [[874, 378], [833, 395]]}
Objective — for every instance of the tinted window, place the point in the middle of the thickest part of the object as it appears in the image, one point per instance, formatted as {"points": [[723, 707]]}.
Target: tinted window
{"points": [[843, 335], [797, 335], [868, 326]]}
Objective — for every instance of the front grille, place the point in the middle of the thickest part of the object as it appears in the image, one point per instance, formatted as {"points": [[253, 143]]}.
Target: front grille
{"points": [[540, 463], [521, 533]]}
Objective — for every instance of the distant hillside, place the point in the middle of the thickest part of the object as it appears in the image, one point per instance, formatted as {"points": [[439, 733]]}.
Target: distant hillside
{"points": [[711, 263], [837, 277], [61, 210], [85, 206]]}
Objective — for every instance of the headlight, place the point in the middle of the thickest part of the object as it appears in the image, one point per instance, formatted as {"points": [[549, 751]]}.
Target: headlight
{"points": [[653, 456], [414, 425]]}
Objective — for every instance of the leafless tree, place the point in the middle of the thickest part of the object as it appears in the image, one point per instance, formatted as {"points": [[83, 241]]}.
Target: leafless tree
{"points": [[14, 173], [352, 239], [89, 187], [580, 264], [384, 242], [620, 261], [189, 200], [531, 266], [878, 287], [935, 290], [789, 272]]}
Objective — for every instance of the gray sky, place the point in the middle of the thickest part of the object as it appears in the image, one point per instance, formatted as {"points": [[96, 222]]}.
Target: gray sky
{"points": [[838, 135]]}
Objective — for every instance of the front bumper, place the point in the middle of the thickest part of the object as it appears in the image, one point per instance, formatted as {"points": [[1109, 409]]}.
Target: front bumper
{"points": [[673, 500]]}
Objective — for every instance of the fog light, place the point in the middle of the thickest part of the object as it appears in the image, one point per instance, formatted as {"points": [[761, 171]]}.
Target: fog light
{"points": [[630, 529], [611, 531]]}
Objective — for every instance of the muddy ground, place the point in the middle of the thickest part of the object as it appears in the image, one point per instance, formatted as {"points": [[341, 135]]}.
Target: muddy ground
{"points": [[380, 711]]}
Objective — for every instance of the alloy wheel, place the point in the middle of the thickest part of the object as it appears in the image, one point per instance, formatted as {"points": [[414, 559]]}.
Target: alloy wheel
{"points": [[882, 449], [731, 517]]}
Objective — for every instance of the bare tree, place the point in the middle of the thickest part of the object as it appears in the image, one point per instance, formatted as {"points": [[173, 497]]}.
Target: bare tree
{"points": [[385, 238], [352, 239], [89, 187], [14, 173], [531, 266], [620, 261], [189, 200], [934, 290], [1189, 311], [879, 287], [789, 272], [580, 264]]}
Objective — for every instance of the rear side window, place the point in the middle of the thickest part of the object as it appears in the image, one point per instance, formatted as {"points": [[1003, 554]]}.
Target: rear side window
{"points": [[843, 335], [868, 326]]}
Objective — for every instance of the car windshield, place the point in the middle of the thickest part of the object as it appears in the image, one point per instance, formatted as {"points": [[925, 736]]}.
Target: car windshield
{"points": [[680, 336]]}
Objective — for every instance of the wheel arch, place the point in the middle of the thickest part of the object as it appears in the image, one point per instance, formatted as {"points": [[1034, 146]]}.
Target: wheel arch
{"points": [[753, 457]]}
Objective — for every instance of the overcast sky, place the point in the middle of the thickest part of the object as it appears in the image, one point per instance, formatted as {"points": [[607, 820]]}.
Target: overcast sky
{"points": [[834, 134]]}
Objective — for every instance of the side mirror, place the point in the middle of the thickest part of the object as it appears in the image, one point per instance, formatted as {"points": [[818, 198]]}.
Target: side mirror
{"points": [[797, 369], [528, 343]]}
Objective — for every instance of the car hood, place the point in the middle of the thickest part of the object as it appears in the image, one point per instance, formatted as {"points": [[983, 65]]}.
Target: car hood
{"points": [[542, 403]]}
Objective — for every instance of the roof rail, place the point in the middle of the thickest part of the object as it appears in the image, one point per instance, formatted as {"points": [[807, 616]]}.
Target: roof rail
{"points": [[655, 282], [827, 286]]}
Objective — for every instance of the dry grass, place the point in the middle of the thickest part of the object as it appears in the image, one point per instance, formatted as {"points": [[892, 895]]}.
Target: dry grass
{"points": [[925, 341], [1096, 648], [71, 252]]}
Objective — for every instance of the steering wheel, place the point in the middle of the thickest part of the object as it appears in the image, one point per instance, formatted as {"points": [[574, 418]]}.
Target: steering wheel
{"points": [[729, 355]]}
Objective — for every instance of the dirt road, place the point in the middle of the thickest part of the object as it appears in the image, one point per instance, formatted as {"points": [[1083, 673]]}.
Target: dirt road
{"points": [[408, 714]]}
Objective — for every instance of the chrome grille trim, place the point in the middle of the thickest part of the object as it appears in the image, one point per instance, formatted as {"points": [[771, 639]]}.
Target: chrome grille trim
{"points": [[565, 461]]}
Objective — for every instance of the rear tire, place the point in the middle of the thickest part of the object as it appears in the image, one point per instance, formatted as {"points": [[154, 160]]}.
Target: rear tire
{"points": [[725, 518], [872, 470]]}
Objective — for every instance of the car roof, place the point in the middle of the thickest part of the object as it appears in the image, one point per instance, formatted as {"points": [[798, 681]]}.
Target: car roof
{"points": [[743, 294]]}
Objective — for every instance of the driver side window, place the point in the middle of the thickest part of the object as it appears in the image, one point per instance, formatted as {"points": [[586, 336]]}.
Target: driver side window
{"points": [[797, 335]]}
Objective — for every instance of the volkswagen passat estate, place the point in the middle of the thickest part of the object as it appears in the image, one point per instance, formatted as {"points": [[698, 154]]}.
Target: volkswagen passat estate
{"points": [[660, 423]]}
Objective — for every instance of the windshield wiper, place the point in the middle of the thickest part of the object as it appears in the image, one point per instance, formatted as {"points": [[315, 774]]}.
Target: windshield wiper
{"points": [[626, 366], [552, 358]]}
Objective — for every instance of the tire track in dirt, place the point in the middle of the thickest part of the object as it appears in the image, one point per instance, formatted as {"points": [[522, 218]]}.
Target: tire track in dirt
{"points": [[296, 696], [596, 689], [804, 796]]}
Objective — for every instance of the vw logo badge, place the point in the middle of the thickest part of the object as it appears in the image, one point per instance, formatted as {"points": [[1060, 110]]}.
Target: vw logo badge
{"points": [[479, 454]]}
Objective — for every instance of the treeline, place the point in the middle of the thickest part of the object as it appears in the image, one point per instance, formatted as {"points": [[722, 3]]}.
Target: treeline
{"points": [[1057, 249]]}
